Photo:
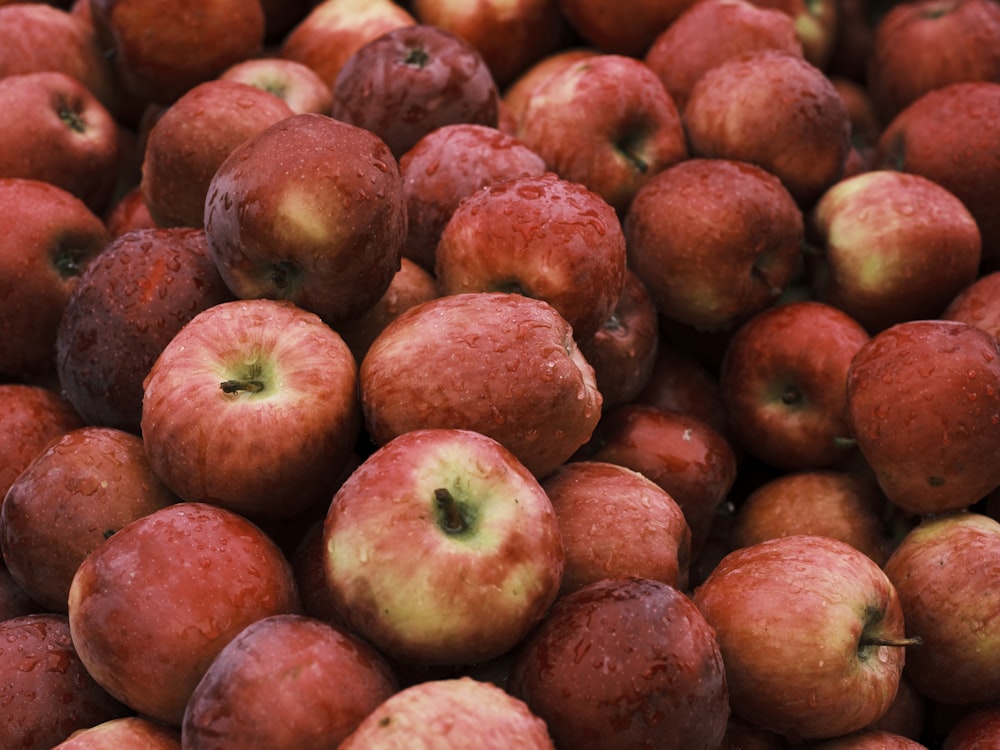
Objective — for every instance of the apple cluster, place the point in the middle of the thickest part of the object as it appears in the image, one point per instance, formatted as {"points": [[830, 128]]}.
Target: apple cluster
{"points": [[536, 374]]}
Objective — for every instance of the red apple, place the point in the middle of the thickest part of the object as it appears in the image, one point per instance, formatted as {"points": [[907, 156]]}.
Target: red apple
{"points": [[295, 83], [122, 734], [151, 608], [923, 401], [252, 406], [129, 211], [870, 739], [977, 304], [286, 681], [516, 94], [816, 24], [907, 714], [625, 662], [606, 122], [811, 632], [311, 210], [412, 80], [545, 237], [731, 246], [626, 27], [978, 729]]}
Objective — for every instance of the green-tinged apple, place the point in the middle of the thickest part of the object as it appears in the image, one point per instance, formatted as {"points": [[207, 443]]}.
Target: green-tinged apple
{"points": [[151, 607], [812, 634], [442, 548], [887, 246], [505, 365], [714, 240], [252, 406], [545, 237], [606, 122], [923, 401], [625, 662], [978, 304], [286, 681], [124, 733], [976, 730], [621, 27], [295, 83], [311, 210], [461, 711], [817, 24]]}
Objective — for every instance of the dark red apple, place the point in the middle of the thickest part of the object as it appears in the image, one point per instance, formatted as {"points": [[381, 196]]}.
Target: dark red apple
{"points": [[626, 27], [977, 729]]}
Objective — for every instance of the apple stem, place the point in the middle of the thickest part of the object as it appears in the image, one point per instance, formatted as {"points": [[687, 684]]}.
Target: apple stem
{"points": [[791, 395], [452, 516], [235, 386], [871, 640]]}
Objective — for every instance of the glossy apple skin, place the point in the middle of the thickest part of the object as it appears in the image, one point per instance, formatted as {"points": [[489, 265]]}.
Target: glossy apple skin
{"points": [[977, 304], [977, 729], [621, 28], [702, 267], [412, 80], [125, 308], [46, 693], [153, 606], [625, 662], [907, 715], [434, 595], [295, 83], [945, 572], [82, 488], [606, 122], [502, 364], [776, 110], [790, 615], [332, 251], [124, 733], [891, 246], [48, 237], [471, 712], [514, 97], [545, 237], [286, 681], [933, 384]]}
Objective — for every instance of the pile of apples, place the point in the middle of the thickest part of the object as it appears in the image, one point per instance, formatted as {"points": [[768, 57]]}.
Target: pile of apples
{"points": [[500, 374]]}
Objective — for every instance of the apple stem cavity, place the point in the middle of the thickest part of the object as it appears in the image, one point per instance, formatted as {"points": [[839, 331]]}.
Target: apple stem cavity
{"points": [[281, 273], [450, 516], [791, 396], [67, 261], [70, 117], [241, 386], [417, 57]]}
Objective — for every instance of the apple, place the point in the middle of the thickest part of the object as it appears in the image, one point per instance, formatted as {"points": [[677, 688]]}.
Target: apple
{"points": [[811, 632], [515, 95], [907, 714], [870, 739], [57, 131], [783, 380], [711, 32], [887, 246], [151, 607], [617, 523], [776, 110], [308, 559], [467, 711], [122, 733], [191, 139], [731, 247], [866, 126], [295, 83], [606, 122], [976, 729], [621, 28], [79, 490], [625, 662], [48, 237], [286, 681], [124, 309], [451, 163], [817, 23], [976, 304], [46, 693], [505, 365], [442, 548], [311, 210], [129, 211], [923, 401], [945, 572], [914, 45], [252, 406], [545, 237], [411, 80]]}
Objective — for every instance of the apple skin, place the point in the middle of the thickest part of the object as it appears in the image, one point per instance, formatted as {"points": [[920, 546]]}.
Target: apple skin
{"points": [[977, 729], [286, 681], [252, 406], [514, 97], [129, 211], [332, 251], [502, 364], [794, 617], [890, 246], [783, 380], [124, 309], [295, 83], [774, 109], [48, 237], [870, 739], [451, 163], [945, 572], [606, 122], [122, 734], [732, 245], [46, 693], [458, 526], [625, 662], [470, 712], [412, 80], [191, 139], [147, 627], [545, 237], [977, 304], [78, 491], [923, 401], [621, 28]]}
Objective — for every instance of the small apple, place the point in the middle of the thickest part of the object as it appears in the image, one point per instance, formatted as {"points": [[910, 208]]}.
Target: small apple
{"points": [[123, 733], [295, 83], [626, 27]]}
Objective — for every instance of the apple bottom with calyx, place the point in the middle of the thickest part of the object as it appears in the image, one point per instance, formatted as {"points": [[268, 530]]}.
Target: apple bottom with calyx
{"points": [[442, 548]]}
